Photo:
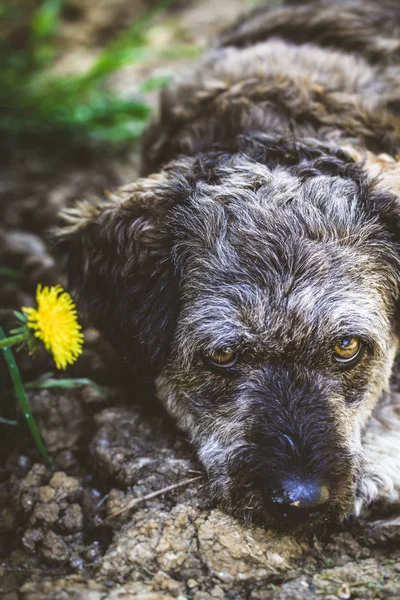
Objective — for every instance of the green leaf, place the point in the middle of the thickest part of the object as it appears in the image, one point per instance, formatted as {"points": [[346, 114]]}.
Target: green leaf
{"points": [[11, 273], [20, 316], [7, 422], [48, 381], [45, 20], [155, 83]]}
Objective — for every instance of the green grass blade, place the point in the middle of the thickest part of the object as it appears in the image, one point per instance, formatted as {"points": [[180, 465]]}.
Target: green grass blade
{"points": [[155, 83], [7, 422], [20, 316], [129, 46], [11, 273], [68, 383], [45, 20], [23, 400]]}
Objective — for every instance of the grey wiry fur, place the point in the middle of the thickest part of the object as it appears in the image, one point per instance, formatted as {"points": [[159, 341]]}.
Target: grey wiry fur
{"points": [[267, 230]]}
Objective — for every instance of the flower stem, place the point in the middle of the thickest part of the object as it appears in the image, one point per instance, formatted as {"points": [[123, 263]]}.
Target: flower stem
{"points": [[6, 342], [21, 395]]}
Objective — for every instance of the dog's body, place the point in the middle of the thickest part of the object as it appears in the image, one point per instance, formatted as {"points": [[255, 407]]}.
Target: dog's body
{"points": [[241, 275]]}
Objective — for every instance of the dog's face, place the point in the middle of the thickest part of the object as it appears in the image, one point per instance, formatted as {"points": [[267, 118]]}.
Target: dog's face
{"points": [[263, 298]]}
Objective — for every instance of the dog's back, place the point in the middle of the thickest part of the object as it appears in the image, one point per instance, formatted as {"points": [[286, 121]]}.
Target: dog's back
{"points": [[364, 26], [324, 70]]}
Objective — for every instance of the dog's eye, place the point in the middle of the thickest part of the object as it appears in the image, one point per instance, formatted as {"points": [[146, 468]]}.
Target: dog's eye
{"points": [[223, 357], [348, 350]]}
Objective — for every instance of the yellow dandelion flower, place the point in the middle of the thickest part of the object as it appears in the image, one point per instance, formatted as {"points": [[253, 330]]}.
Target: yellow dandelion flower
{"points": [[55, 323]]}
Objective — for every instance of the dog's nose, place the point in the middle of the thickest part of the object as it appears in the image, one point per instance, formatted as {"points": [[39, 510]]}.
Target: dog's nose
{"points": [[299, 500]]}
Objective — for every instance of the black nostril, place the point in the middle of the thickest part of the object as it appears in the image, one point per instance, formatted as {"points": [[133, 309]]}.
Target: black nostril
{"points": [[299, 500]]}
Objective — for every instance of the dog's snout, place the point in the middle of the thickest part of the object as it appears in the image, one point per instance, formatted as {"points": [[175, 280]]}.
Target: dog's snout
{"points": [[299, 500]]}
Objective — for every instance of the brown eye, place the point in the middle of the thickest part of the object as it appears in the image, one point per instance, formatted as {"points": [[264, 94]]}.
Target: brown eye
{"points": [[223, 357], [348, 350]]}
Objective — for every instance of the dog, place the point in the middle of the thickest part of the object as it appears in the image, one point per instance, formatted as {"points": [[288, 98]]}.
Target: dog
{"points": [[253, 271]]}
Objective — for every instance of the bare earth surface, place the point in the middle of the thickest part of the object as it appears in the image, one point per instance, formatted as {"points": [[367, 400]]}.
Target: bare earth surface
{"points": [[59, 536]]}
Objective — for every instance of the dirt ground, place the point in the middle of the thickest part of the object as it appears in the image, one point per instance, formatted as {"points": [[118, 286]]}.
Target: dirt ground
{"points": [[59, 536]]}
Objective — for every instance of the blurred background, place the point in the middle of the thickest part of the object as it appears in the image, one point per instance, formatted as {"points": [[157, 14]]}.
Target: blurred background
{"points": [[79, 80]]}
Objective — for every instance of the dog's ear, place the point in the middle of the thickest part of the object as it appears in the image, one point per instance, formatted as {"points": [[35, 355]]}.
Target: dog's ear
{"points": [[120, 267]]}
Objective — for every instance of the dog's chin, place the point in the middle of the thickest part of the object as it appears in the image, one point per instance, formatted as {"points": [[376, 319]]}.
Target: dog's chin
{"points": [[266, 519], [249, 507]]}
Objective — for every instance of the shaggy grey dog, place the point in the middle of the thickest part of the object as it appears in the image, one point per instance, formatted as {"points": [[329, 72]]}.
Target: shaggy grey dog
{"points": [[254, 275]]}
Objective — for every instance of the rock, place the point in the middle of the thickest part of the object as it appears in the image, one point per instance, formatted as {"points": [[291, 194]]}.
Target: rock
{"points": [[50, 510], [46, 514], [235, 553], [204, 549], [60, 417], [31, 538], [379, 532], [73, 587], [136, 450], [72, 519], [54, 548], [78, 588], [8, 520], [66, 488], [361, 579]]}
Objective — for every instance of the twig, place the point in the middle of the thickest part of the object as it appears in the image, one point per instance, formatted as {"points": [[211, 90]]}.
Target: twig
{"points": [[136, 501]]}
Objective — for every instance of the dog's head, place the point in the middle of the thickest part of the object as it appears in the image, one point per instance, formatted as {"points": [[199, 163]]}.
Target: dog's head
{"points": [[259, 289]]}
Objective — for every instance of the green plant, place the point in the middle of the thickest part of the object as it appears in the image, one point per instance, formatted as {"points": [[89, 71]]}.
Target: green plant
{"points": [[53, 323], [22, 399], [69, 109]]}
